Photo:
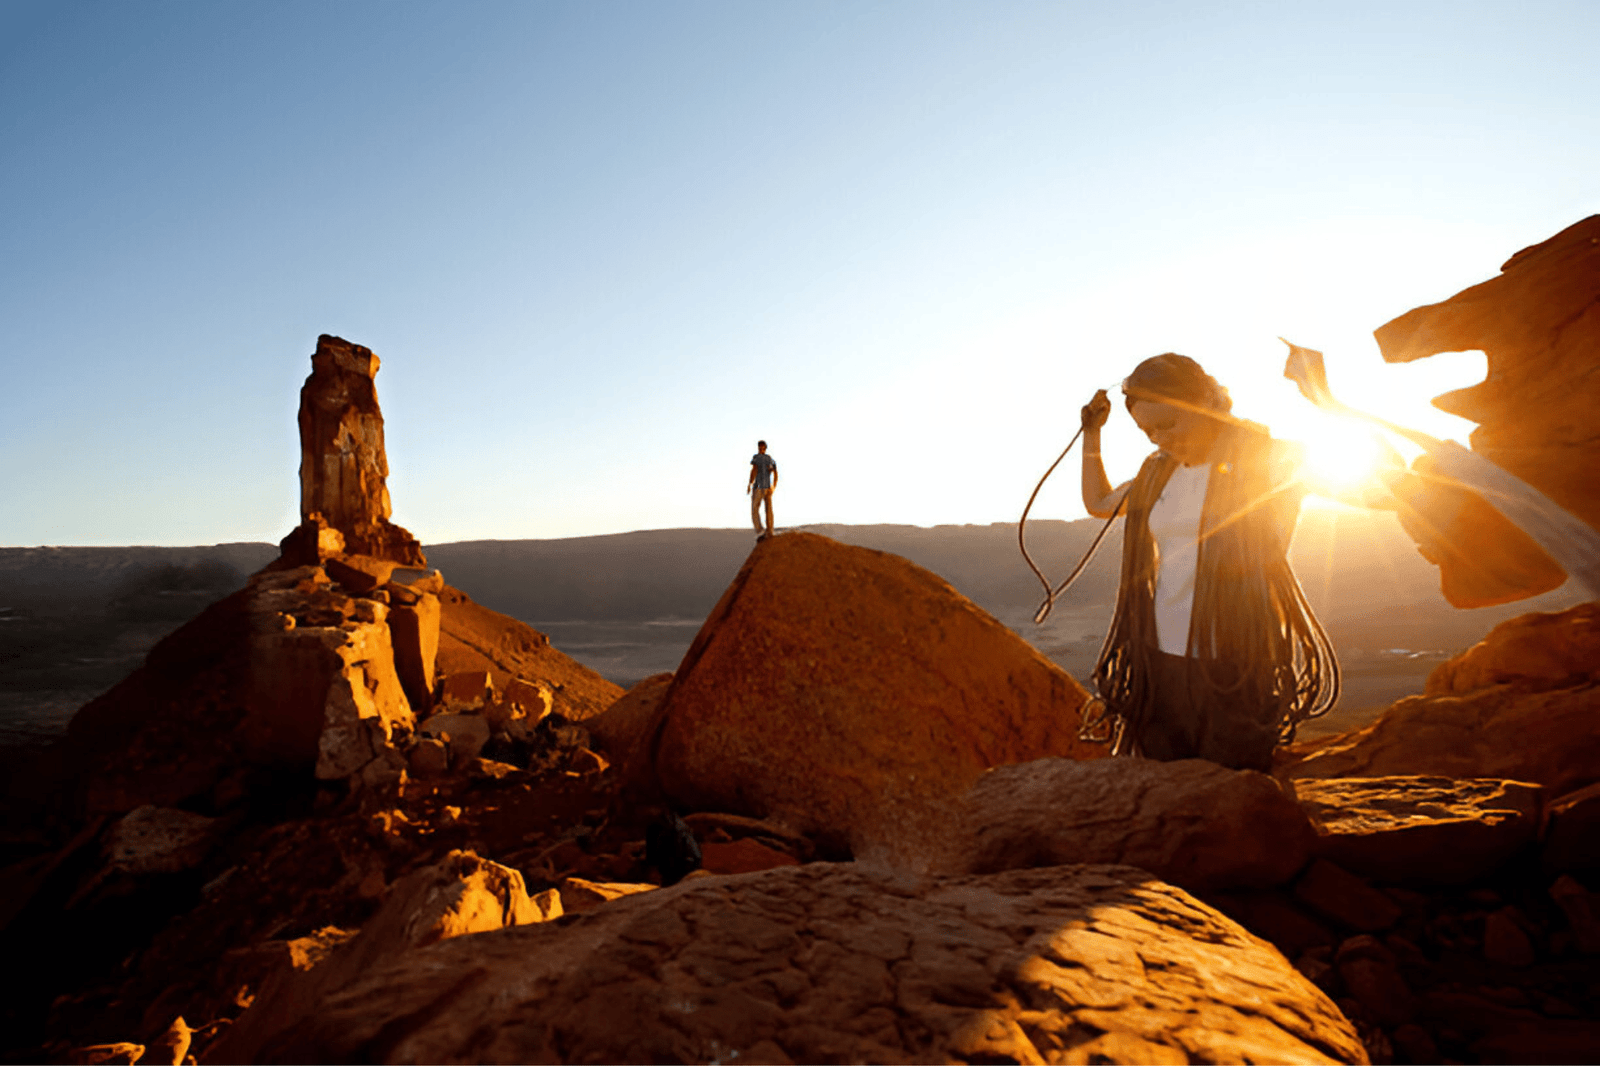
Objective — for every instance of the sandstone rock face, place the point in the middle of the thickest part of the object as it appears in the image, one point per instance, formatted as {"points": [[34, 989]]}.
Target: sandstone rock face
{"points": [[828, 963], [1538, 651], [1422, 830], [323, 691], [1539, 325], [844, 691], [344, 470], [1547, 738], [1192, 822], [1519, 706]]}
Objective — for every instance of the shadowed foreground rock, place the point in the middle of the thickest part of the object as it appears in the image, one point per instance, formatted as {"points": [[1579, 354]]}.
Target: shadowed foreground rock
{"points": [[462, 894], [828, 963], [846, 692], [1192, 822], [1421, 830]]}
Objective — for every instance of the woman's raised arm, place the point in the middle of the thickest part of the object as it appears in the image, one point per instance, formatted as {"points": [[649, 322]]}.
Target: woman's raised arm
{"points": [[1099, 498]]}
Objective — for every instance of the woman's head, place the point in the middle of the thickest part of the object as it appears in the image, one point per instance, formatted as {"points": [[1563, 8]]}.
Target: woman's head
{"points": [[1177, 404]]}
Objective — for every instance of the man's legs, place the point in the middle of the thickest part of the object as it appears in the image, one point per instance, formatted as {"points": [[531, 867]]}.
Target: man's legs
{"points": [[756, 496], [768, 496]]}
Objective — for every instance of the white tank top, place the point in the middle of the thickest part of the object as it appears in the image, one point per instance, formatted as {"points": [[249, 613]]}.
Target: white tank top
{"points": [[1175, 526]]}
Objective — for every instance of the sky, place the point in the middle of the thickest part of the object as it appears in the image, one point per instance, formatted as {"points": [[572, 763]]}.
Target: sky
{"points": [[601, 248]]}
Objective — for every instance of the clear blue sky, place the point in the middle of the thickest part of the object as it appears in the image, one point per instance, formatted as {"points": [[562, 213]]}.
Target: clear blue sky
{"points": [[603, 247]]}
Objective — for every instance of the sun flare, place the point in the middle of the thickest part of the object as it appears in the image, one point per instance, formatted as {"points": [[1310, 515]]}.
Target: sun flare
{"points": [[1339, 456]]}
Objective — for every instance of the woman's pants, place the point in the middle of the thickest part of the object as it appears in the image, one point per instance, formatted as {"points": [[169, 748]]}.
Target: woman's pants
{"points": [[1186, 718]]}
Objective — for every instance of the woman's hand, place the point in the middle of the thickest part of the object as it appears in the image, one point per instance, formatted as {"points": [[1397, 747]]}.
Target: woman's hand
{"points": [[1096, 411]]}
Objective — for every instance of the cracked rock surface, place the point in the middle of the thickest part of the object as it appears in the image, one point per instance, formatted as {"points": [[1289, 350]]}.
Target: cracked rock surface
{"points": [[1191, 822], [826, 963]]}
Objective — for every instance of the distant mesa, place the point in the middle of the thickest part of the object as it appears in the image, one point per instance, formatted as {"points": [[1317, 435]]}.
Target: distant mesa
{"points": [[1539, 325]]}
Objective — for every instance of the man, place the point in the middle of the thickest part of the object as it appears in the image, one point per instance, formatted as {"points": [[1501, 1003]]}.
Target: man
{"points": [[763, 480]]}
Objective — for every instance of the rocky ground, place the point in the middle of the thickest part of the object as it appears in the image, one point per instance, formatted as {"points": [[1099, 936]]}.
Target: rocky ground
{"points": [[349, 814], [533, 846]]}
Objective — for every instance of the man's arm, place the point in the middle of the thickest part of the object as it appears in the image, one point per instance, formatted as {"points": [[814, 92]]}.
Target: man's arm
{"points": [[774, 486], [748, 484]]}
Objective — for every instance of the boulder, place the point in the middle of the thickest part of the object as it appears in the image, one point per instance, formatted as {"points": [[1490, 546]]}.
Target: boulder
{"points": [[429, 757], [1547, 738], [1534, 651], [1505, 943], [344, 470], [414, 630], [580, 894], [460, 895], [1423, 830], [827, 963], [622, 728], [1192, 822], [849, 693], [159, 840], [1340, 896], [1538, 323], [467, 733], [1371, 975], [469, 690], [472, 637], [418, 580], [1582, 910], [528, 702], [323, 690], [358, 574], [1572, 832]]}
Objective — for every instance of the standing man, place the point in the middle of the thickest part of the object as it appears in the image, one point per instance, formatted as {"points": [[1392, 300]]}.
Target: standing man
{"points": [[763, 479]]}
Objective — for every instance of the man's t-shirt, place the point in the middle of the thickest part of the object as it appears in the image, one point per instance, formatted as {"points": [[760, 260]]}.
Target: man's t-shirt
{"points": [[765, 465]]}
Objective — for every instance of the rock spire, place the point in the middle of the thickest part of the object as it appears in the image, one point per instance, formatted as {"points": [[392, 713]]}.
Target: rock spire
{"points": [[344, 498]]}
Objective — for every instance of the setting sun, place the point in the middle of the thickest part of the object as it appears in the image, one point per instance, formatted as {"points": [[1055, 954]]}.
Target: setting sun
{"points": [[1339, 455]]}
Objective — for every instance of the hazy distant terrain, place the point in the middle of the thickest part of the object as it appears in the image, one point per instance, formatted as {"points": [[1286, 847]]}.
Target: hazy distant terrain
{"points": [[74, 621]]}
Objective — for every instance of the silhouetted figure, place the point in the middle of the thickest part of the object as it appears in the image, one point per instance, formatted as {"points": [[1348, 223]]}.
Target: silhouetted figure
{"points": [[670, 848], [763, 481]]}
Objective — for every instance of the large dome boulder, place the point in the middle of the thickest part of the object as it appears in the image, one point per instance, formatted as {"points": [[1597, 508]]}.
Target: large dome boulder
{"points": [[851, 695]]}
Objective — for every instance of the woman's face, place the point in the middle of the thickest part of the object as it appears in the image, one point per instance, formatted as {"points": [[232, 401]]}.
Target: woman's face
{"points": [[1185, 434]]}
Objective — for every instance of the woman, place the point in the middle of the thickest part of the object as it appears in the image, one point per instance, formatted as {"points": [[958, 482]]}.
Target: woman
{"points": [[1213, 651]]}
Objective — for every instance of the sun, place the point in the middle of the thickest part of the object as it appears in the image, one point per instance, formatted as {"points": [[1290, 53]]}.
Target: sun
{"points": [[1340, 456]]}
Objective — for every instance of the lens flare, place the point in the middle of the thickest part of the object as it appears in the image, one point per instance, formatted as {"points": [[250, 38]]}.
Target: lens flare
{"points": [[1341, 457]]}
